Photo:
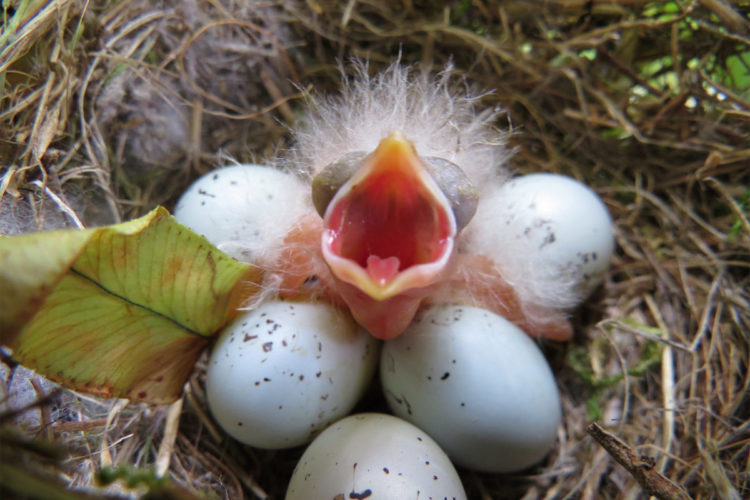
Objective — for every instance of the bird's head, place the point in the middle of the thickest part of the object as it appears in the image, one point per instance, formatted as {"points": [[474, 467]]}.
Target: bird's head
{"points": [[390, 219], [392, 202]]}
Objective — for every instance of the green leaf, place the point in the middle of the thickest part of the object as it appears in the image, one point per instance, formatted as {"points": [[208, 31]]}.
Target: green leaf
{"points": [[117, 311], [738, 72]]}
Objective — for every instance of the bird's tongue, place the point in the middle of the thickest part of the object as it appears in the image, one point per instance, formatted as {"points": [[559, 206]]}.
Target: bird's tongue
{"points": [[389, 228], [382, 270]]}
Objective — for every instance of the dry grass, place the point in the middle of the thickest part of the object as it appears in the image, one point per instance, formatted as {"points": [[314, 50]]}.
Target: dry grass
{"points": [[109, 108]]}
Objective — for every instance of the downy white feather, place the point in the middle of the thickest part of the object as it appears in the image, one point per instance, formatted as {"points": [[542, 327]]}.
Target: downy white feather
{"points": [[442, 119], [435, 114]]}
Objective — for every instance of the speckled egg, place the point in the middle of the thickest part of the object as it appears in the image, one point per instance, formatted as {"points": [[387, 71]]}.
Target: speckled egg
{"points": [[281, 373], [477, 384], [377, 457], [550, 236], [246, 209]]}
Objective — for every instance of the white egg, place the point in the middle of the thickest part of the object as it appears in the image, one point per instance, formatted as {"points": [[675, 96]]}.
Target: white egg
{"points": [[282, 372], [377, 457], [244, 209], [550, 236], [477, 384]]}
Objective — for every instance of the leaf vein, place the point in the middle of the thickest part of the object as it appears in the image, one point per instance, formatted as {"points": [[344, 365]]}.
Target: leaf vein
{"points": [[136, 304]]}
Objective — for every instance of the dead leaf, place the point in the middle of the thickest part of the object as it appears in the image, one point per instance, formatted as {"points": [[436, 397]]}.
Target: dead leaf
{"points": [[117, 311]]}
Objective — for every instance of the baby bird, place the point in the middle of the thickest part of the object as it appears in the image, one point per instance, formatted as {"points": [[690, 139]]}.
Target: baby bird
{"points": [[399, 164], [394, 198]]}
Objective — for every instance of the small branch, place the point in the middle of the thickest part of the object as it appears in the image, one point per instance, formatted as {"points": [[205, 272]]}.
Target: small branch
{"points": [[64, 207], [348, 13], [642, 468], [278, 97], [44, 412], [728, 15], [9, 414], [166, 448], [105, 457]]}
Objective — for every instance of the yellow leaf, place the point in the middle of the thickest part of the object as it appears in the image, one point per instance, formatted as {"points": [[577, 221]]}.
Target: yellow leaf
{"points": [[118, 311], [29, 270]]}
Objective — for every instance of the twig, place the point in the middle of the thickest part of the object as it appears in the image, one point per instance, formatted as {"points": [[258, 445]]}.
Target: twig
{"points": [[166, 448], [348, 13], [64, 207], [642, 468], [105, 457], [201, 413], [728, 15], [625, 377], [10, 414], [703, 326], [277, 96], [622, 326], [667, 386], [44, 412]]}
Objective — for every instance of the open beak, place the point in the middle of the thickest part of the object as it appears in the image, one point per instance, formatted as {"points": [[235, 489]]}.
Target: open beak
{"points": [[388, 233]]}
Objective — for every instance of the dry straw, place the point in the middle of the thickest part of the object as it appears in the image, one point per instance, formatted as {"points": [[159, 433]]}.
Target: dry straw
{"points": [[108, 108]]}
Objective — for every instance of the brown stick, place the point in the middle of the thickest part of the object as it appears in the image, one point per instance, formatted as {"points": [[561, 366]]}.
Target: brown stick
{"points": [[728, 15], [640, 467]]}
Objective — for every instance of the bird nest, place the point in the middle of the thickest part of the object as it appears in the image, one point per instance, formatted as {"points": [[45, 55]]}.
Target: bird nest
{"points": [[110, 108]]}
